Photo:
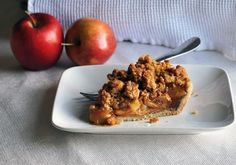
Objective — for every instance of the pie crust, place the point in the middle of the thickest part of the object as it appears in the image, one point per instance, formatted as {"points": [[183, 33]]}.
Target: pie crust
{"points": [[146, 90]]}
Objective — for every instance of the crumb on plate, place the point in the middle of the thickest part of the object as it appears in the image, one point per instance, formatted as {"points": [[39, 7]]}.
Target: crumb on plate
{"points": [[154, 120], [193, 113]]}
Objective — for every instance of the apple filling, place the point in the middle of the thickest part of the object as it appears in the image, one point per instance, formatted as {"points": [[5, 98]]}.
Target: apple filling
{"points": [[147, 87]]}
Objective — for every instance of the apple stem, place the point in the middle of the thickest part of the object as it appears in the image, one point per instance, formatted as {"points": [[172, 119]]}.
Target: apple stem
{"points": [[32, 19], [67, 44]]}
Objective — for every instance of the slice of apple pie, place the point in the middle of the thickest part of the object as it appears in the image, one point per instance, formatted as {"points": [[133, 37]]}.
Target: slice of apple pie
{"points": [[147, 89]]}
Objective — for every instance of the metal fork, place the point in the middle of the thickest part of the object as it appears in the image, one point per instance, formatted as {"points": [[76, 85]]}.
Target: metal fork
{"points": [[186, 47], [90, 96]]}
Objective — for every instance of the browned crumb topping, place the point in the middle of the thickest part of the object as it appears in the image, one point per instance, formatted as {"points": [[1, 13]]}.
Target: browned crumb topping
{"points": [[147, 86]]}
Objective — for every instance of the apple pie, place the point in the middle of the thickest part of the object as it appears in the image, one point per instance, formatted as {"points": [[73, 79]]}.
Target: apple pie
{"points": [[145, 90]]}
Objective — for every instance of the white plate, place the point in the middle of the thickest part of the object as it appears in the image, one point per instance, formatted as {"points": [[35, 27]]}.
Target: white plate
{"points": [[211, 100]]}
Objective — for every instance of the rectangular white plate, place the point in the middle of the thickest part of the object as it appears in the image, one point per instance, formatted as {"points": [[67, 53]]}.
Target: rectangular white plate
{"points": [[211, 101]]}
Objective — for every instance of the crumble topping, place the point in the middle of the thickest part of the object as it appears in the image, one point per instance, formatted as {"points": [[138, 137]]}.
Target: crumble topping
{"points": [[147, 86]]}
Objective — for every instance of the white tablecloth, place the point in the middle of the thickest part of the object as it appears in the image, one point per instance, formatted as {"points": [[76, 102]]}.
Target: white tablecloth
{"points": [[28, 137]]}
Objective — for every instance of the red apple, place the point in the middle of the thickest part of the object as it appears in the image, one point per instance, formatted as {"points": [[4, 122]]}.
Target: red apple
{"points": [[91, 41], [36, 41]]}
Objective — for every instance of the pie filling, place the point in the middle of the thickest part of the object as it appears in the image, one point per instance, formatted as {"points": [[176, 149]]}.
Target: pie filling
{"points": [[145, 88]]}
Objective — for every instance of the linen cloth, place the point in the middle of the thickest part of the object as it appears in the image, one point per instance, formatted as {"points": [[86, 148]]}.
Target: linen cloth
{"points": [[26, 100], [27, 136], [161, 22]]}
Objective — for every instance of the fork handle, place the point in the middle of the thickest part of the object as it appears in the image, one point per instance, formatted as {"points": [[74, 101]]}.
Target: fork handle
{"points": [[186, 47]]}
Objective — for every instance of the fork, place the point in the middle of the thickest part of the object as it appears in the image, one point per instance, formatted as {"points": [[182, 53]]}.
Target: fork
{"points": [[186, 47], [90, 96]]}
